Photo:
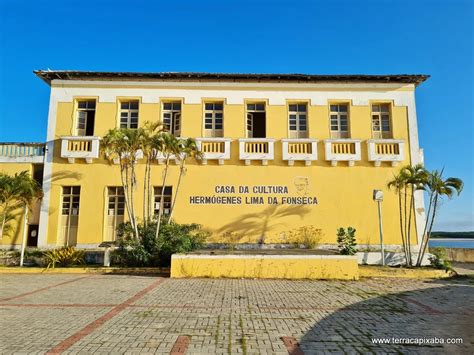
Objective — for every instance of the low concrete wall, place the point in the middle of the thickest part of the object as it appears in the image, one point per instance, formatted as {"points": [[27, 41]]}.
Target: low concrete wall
{"points": [[462, 255], [391, 258], [265, 266]]}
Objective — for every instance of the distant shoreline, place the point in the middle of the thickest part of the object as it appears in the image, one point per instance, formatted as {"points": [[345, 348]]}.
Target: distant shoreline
{"points": [[453, 235]]}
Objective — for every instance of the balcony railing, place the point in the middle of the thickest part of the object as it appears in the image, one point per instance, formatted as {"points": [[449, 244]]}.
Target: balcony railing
{"points": [[214, 149], [342, 150], [22, 152], [78, 147], [385, 150], [300, 150], [256, 149]]}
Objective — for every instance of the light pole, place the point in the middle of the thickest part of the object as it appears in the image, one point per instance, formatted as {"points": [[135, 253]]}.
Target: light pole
{"points": [[378, 197]]}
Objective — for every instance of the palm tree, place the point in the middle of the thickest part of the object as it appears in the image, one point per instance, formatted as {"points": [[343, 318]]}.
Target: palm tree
{"points": [[17, 191], [437, 187], [124, 145], [169, 147], [150, 147], [415, 179], [398, 183], [186, 148]]}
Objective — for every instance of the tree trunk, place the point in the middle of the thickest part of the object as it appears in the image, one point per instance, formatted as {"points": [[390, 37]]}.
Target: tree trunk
{"points": [[407, 250], [124, 178], [423, 239], [401, 225], [145, 195], [412, 206], [181, 172], [428, 235], [133, 182], [160, 211]]}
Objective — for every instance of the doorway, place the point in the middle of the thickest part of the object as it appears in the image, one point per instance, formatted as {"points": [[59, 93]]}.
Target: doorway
{"points": [[32, 240], [256, 121]]}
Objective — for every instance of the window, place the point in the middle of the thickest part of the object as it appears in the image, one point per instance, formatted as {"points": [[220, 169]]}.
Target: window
{"points": [[115, 210], [172, 117], [297, 117], [166, 199], [85, 118], [71, 196], [381, 121], [256, 120], [339, 121], [213, 119], [69, 215], [129, 114]]}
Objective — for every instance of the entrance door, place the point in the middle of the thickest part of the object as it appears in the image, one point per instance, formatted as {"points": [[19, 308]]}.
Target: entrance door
{"points": [[70, 215], [32, 240]]}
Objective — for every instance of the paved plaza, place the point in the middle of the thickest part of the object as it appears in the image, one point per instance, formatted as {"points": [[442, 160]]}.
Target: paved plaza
{"points": [[107, 314]]}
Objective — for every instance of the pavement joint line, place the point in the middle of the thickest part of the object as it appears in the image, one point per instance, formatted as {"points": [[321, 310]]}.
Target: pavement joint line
{"points": [[427, 308], [292, 346], [180, 346], [43, 289], [91, 327]]}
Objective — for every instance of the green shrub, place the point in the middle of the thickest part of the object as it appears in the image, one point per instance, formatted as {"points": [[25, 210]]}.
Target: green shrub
{"points": [[307, 236], [438, 259], [66, 256], [151, 251], [346, 241]]}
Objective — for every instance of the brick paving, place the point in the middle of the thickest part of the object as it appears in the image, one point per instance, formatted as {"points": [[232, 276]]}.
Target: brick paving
{"points": [[114, 314]]}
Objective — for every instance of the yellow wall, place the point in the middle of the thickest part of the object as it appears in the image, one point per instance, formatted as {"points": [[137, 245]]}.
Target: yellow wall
{"points": [[344, 193], [16, 232]]}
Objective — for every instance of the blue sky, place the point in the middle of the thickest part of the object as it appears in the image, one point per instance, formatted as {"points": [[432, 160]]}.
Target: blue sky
{"points": [[320, 37]]}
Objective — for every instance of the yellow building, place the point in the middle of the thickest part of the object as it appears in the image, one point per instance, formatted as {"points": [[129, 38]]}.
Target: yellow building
{"points": [[280, 152]]}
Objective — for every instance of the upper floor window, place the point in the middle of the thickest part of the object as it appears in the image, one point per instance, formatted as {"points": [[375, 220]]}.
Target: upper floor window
{"points": [[381, 127], [339, 121], [85, 117], [172, 117], [297, 119], [129, 114], [256, 120], [213, 119]]}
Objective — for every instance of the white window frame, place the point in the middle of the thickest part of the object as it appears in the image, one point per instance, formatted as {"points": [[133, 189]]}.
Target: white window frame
{"points": [[297, 131], [68, 198], [338, 132], [212, 127], [172, 123], [377, 120], [81, 131], [157, 198], [129, 111]]}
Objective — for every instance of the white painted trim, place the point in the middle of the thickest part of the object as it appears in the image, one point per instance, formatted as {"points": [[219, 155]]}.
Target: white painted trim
{"points": [[263, 157], [416, 157], [239, 95], [336, 157], [164, 83], [378, 158], [48, 170], [87, 155], [262, 256], [37, 159], [306, 157], [214, 156]]}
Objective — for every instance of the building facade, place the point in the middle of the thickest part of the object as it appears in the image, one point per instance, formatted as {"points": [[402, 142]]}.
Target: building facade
{"points": [[280, 152]]}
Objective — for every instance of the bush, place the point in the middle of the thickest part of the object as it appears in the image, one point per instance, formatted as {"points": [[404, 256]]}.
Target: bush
{"points": [[149, 251], [438, 259], [346, 241], [307, 236], [66, 256]]}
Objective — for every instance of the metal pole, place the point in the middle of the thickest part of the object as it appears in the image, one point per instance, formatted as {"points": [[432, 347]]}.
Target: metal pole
{"points": [[24, 236], [379, 204]]}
